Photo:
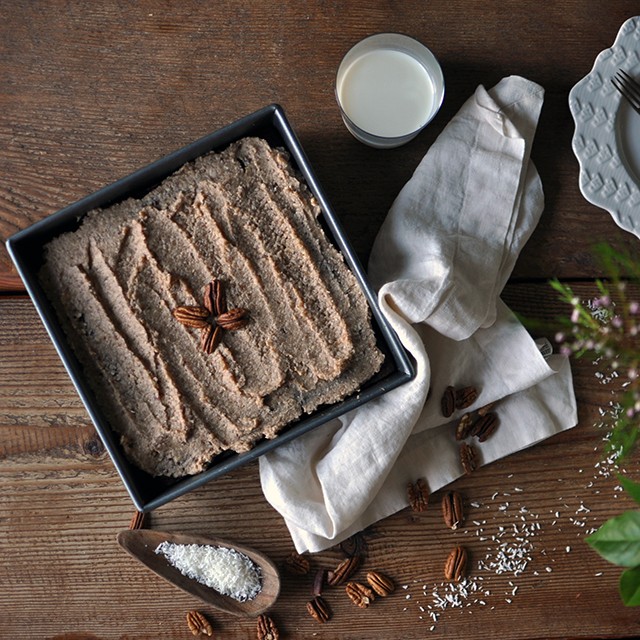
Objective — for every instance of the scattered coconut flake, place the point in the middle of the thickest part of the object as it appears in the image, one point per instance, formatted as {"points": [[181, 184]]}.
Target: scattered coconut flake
{"points": [[511, 545]]}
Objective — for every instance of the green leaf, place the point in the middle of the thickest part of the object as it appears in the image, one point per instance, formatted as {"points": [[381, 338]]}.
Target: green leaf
{"points": [[618, 539], [565, 291], [631, 487], [630, 587]]}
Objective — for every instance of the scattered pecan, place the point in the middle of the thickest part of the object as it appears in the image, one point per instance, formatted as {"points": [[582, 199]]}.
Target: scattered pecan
{"points": [[343, 571], [452, 510], [448, 401], [192, 316], [213, 298], [297, 564], [456, 565], [484, 426], [232, 319], [418, 494], [468, 458], [318, 582], [381, 584], [198, 624], [482, 411], [356, 545], [360, 594], [464, 426], [465, 397], [319, 609], [266, 629], [138, 520], [210, 338]]}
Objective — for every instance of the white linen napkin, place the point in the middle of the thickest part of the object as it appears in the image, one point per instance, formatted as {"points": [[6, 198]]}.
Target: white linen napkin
{"points": [[440, 261]]}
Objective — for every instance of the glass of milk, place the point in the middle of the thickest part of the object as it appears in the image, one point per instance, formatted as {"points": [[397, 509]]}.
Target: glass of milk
{"points": [[388, 87]]}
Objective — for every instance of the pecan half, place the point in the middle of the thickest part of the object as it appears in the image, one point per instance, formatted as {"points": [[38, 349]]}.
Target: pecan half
{"points": [[418, 494], [356, 545], [452, 510], [213, 298], [138, 520], [360, 594], [456, 565], [198, 624], [465, 397], [482, 411], [319, 609], [191, 316], [232, 319], [266, 629], [463, 428], [318, 582], [448, 401], [468, 458], [297, 565], [381, 584], [343, 571], [210, 338], [484, 426], [212, 318]]}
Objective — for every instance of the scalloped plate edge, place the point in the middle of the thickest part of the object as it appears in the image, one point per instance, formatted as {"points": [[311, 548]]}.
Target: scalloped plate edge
{"points": [[612, 188]]}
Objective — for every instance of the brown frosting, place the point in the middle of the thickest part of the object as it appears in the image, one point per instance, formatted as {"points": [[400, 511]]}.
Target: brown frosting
{"points": [[243, 217]]}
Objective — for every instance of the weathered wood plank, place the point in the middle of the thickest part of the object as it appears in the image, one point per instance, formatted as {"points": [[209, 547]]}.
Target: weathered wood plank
{"points": [[92, 92], [61, 505]]}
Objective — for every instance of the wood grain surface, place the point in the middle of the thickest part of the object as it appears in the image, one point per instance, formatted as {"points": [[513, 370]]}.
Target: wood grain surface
{"points": [[90, 91], [62, 505]]}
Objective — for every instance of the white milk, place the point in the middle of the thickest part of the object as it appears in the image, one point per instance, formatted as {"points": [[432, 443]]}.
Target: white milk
{"points": [[387, 93]]}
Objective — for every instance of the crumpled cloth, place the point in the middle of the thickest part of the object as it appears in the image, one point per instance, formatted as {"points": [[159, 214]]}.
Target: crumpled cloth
{"points": [[439, 263]]}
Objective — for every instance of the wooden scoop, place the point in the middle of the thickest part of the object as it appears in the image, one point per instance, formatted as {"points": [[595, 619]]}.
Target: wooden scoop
{"points": [[142, 543]]}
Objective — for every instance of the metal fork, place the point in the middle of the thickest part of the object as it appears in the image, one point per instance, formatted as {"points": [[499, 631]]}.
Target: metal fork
{"points": [[628, 87]]}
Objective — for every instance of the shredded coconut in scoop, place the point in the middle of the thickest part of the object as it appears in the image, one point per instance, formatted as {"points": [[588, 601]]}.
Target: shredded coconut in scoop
{"points": [[226, 570]]}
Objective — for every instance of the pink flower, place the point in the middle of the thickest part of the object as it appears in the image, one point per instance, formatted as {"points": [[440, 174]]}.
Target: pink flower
{"points": [[604, 301]]}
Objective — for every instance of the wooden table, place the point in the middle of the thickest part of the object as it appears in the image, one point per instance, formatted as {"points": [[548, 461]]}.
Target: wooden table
{"points": [[90, 91]]}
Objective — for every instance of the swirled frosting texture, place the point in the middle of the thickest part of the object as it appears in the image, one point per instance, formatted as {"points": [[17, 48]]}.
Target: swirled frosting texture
{"points": [[243, 217]]}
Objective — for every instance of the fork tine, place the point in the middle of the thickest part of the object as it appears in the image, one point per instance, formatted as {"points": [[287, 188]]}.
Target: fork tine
{"points": [[631, 79], [631, 83], [615, 81], [628, 87]]}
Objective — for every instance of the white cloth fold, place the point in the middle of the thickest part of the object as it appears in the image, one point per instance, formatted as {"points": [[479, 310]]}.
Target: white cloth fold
{"points": [[440, 261]]}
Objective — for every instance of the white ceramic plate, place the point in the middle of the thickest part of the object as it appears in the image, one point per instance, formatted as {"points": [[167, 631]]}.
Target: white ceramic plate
{"points": [[607, 132]]}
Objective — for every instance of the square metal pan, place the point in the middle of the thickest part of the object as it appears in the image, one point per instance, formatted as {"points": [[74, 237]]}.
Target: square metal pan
{"points": [[26, 249]]}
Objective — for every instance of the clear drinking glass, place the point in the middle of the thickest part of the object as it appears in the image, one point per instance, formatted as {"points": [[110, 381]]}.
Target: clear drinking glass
{"points": [[388, 87]]}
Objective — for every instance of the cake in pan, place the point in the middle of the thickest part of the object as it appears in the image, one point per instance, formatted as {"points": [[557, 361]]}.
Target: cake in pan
{"points": [[213, 311]]}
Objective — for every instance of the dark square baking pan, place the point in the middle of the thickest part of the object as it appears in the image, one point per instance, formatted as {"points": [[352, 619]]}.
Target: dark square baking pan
{"points": [[27, 251]]}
